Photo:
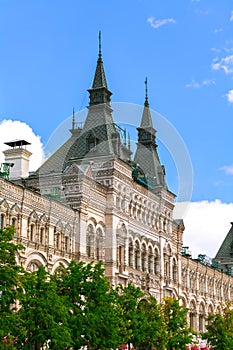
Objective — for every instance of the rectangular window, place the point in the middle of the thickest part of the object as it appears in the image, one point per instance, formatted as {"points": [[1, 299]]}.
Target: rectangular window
{"points": [[2, 221], [42, 235]]}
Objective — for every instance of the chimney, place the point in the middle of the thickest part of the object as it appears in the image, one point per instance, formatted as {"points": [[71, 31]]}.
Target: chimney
{"points": [[18, 158]]}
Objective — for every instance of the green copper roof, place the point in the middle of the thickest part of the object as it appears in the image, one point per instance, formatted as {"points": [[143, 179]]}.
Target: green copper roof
{"points": [[226, 249], [146, 154], [99, 77]]}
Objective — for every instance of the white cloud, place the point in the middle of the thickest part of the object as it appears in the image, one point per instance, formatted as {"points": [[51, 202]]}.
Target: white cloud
{"points": [[206, 226], [218, 30], [225, 63], [159, 22], [214, 49], [231, 18], [230, 96], [195, 84], [228, 169], [11, 130]]}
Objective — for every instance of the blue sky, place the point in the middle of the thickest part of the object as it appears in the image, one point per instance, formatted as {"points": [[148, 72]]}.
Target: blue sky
{"points": [[185, 48]]}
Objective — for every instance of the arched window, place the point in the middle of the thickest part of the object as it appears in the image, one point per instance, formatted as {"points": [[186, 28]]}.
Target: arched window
{"points": [[121, 242], [174, 270], [32, 233], [33, 266], [143, 255], [90, 241], [14, 222], [67, 244], [192, 315], [201, 318], [57, 239], [42, 235], [130, 253], [99, 244], [150, 260], [137, 256], [33, 227], [156, 263], [2, 221]]}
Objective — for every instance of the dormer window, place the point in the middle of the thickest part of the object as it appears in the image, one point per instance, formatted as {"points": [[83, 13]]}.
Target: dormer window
{"points": [[92, 142]]}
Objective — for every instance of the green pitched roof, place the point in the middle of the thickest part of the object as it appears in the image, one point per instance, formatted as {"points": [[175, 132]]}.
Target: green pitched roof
{"points": [[226, 249], [99, 80]]}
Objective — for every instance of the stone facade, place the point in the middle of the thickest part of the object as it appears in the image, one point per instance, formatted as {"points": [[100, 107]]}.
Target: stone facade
{"points": [[129, 229]]}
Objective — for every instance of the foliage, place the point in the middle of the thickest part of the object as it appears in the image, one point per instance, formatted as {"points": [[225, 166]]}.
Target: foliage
{"points": [[128, 299], [178, 332], [220, 328], [9, 270], [94, 318], [151, 328], [10, 288], [43, 313], [78, 307]]}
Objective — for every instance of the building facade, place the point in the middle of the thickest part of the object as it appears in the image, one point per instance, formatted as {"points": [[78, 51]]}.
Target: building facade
{"points": [[94, 200]]}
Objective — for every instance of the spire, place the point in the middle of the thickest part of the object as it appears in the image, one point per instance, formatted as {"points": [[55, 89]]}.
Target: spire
{"points": [[100, 136], [99, 92], [73, 120], [146, 103], [99, 78], [100, 51], [146, 121], [146, 153]]}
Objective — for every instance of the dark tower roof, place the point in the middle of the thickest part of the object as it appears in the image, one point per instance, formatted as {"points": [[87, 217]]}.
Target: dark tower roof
{"points": [[99, 92], [98, 137], [225, 252], [99, 80], [146, 155]]}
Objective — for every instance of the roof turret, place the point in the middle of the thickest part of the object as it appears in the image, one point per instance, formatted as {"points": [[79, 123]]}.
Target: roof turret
{"points": [[146, 153]]}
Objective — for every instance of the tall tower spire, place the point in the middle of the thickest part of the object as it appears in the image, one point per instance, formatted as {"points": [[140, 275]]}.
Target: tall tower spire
{"points": [[146, 121], [99, 137], [99, 92], [73, 119], [146, 103], [146, 153], [100, 49]]}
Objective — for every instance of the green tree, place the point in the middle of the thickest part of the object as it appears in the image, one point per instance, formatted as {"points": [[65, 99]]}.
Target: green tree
{"points": [[43, 313], [128, 299], [220, 328], [151, 329], [94, 318], [10, 288], [102, 320], [178, 332]]}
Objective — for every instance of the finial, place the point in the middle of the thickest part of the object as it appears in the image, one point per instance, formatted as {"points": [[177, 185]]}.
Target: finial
{"points": [[128, 140], [100, 52], [146, 98], [73, 119]]}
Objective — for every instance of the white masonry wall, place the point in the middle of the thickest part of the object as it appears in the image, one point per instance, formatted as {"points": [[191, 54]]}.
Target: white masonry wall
{"points": [[20, 158]]}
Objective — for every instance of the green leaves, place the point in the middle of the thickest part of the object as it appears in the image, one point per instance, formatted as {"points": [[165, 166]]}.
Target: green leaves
{"points": [[10, 288], [220, 328], [43, 311], [178, 332], [78, 307], [93, 317]]}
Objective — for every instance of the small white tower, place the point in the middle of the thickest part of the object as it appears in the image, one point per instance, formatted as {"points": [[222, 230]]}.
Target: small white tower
{"points": [[18, 156]]}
